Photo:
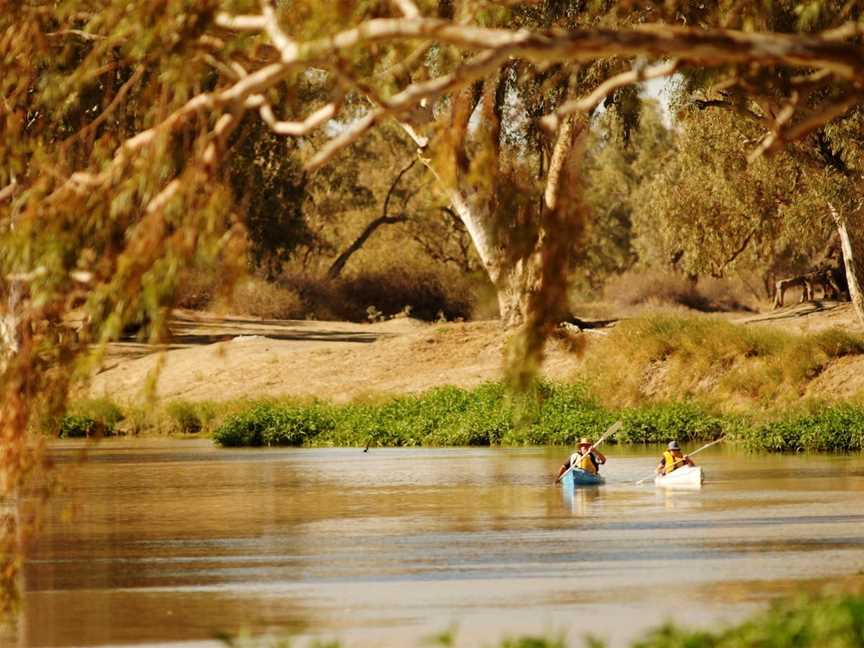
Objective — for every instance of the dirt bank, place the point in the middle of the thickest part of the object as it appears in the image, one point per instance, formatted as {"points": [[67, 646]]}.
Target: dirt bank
{"points": [[217, 358]]}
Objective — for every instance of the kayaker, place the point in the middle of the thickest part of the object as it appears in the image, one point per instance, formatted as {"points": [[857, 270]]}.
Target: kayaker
{"points": [[673, 459], [589, 462]]}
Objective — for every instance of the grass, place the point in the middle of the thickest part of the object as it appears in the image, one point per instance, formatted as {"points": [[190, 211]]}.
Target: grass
{"points": [[734, 367], [835, 621]]}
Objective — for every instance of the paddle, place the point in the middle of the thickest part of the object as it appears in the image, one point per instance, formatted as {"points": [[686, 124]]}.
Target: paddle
{"points": [[612, 429], [695, 452]]}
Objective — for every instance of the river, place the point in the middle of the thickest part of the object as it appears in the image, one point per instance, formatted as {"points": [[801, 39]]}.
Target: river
{"points": [[174, 542]]}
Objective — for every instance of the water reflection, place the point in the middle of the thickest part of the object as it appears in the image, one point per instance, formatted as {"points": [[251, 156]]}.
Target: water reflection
{"points": [[178, 541]]}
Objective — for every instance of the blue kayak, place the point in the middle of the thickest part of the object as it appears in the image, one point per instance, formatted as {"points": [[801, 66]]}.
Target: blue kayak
{"points": [[578, 477]]}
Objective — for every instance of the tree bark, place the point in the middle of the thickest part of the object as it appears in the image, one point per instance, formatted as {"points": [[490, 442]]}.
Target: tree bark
{"points": [[851, 246], [9, 324]]}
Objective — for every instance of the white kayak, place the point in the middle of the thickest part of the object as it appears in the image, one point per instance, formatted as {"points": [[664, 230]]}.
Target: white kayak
{"points": [[684, 477], [578, 477]]}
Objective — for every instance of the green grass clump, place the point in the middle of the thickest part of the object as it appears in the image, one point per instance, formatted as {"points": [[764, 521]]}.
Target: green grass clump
{"points": [[92, 417], [836, 621], [836, 428], [74, 426], [274, 425]]}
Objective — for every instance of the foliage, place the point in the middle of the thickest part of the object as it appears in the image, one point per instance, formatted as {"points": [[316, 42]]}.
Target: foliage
{"points": [[806, 622], [431, 293], [450, 416], [269, 424], [836, 428], [94, 417]]}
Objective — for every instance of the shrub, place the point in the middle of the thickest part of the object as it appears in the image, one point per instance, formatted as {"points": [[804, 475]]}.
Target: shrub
{"points": [[257, 297], [836, 621], [185, 417], [75, 426], [658, 288], [834, 428], [273, 424], [385, 293], [196, 289], [92, 417]]}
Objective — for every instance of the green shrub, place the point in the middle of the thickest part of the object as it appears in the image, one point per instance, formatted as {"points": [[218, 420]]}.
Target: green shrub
{"points": [[836, 621], [838, 428], [92, 417], [665, 422], [273, 424], [75, 426], [554, 415]]}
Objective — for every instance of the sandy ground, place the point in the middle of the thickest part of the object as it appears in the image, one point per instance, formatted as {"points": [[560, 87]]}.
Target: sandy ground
{"points": [[217, 358]]}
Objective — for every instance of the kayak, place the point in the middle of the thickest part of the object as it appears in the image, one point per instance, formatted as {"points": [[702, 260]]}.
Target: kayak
{"points": [[685, 477], [578, 477]]}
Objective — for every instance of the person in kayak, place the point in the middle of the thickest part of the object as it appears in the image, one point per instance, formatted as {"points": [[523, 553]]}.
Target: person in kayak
{"points": [[589, 462], [673, 459]]}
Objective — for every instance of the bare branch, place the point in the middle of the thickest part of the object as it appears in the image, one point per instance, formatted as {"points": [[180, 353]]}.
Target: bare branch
{"points": [[287, 47], [827, 114], [407, 7], [8, 191], [588, 103], [296, 128], [476, 68], [844, 32], [233, 95], [87, 36], [772, 138], [105, 114], [811, 123], [240, 22]]}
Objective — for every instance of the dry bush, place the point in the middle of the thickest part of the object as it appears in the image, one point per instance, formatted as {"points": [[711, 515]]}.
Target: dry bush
{"points": [[196, 289], [257, 297], [429, 293], [659, 288]]}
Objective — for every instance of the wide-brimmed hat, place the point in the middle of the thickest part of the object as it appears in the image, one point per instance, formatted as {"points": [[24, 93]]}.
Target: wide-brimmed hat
{"points": [[673, 445], [584, 441]]}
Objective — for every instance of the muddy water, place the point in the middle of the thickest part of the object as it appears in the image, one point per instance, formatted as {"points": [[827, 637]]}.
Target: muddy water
{"points": [[165, 542]]}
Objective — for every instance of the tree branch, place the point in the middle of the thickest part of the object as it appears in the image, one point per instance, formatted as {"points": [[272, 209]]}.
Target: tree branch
{"points": [[588, 103], [384, 219]]}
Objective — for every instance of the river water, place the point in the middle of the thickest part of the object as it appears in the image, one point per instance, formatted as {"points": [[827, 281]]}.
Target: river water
{"points": [[174, 542]]}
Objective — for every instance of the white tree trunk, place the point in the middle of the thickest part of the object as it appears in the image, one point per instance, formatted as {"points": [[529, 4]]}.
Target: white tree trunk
{"points": [[9, 323], [851, 247]]}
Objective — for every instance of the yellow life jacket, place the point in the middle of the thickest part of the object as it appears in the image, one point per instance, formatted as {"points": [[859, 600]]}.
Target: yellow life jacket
{"points": [[584, 462], [669, 462]]}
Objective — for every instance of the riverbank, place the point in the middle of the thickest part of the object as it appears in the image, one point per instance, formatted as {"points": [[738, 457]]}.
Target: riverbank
{"points": [[664, 375], [734, 360], [555, 414]]}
